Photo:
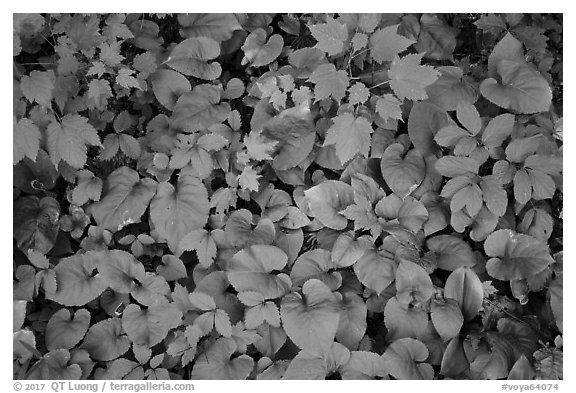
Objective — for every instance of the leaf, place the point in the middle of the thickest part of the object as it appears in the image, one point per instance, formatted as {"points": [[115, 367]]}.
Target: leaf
{"points": [[89, 188], [497, 130], [515, 256], [311, 319], [402, 175], [26, 140], [352, 324], [452, 166], [315, 264], [437, 40], [424, 122], [403, 320], [331, 36], [38, 86], [68, 140], [150, 326], [199, 109], [350, 136], [454, 361], [409, 79], [447, 318], [217, 364], [191, 57], [258, 52], [508, 48], [409, 212], [452, 88], [125, 79], [54, 364], [556, 291], [106, 341], [120, 270], [388, 107], [347, 250], [494, 195], [358, 94], [404, 359], [76, 283], [464, 286], [451, 251], [126, 198], [35, 223], [168, 86], [63, 331], [327, 199], [248, 179], [202, 242], [386, 44], [522, 90], [375, 271], [329, 82], [176, 211], [412, 283], [363, 365], [251, 270], [218, 26]]}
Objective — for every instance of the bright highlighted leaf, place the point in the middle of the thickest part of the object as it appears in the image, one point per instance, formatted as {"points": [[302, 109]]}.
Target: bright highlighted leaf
{"points": [[150, 326], [35, 223], [412, 283], [327, 199], [64, 331], [216, 363], [311, 319], [402, 174], [405, 359], [452, 252], [522, 90], [176, 211], [251, 270], [26, 137], [315, 264], [191, 57], [451, 89], [258, 52], [409, 79], [386, 44], [388, 107], [350, 135], [403, 320], [329, 82], [202, 242], [106, 340], [76, 283], [126, 198], [352, 324], [464, 286], [515, 256], [375, 271], [68, 140], [331, 36], [447, 318], [120, 270]]}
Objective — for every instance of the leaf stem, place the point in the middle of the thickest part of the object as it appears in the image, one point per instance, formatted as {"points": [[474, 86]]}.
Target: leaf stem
{"points": [[381, 84]]}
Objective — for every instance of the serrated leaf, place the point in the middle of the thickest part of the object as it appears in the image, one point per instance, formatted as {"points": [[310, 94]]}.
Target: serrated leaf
{"points": [[150, 326], [68, 140], [38, 87], [202, 242], [258, 52], [199, 109], [329, 82], [26, 140], [331, 36], [388, 107], [350, 135], [191, 57], [386, 44], [248, 179], [125, 79], [409, 79]]}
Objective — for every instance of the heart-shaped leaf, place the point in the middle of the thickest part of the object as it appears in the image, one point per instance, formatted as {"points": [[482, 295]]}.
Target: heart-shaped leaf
{"points": [[327, 199], [106, 340], [191, 57], [150, 326], [65, 332], [401, 320], [412, 283], [315, 264], [311, 318], [452, 252], [119, 269], [404, 359], [199, 109], [216, 363], [168, 86], [258, 52], [402, 174], [352, 325]]}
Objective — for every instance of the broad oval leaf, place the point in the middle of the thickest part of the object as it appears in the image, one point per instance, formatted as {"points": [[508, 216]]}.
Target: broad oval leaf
{"points": [[452, 252], [352, 325], [315, 264], [515, 256], [191, 56], [176, 211], [75, 281], [451, 89], [464, 286], [412, 283], [168, 86], [423, 123], [218, 26], [106, 340], [402, 321], [447, 318], [454, 361], [508, 48], [150, 326], [125, 199], [347, 250], [404, 359], [216, 363], [522, 90], [311, 319], [258, 52], [251, 270], [375, 271], [35, 223], [327, 199], [403, 175], [119, 269], [199, 109], [64, 331]]}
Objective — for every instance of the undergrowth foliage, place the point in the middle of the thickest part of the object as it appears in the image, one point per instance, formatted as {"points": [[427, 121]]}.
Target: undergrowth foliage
{"points": [[287, 196]]}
